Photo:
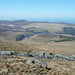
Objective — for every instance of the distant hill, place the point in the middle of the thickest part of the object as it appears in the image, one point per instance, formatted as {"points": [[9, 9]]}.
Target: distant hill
{"points": [[16, 22], [25, 22], [9, 30]]}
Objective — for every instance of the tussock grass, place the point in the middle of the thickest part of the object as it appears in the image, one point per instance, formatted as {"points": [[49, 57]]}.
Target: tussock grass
{"points": [[13, 46], [17, 65]]}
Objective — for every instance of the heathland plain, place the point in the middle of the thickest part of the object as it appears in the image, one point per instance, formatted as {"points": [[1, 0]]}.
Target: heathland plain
{"points": [[25, 36]]}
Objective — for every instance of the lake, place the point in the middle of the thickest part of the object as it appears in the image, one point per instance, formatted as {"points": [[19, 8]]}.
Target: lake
{"points": [[36, 34]]}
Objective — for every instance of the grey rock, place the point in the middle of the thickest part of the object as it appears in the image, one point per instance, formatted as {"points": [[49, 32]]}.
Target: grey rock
{"points": [[20, 54], [6, 53], [59, 56], [71, 57], [35, 61], [43, 55], [27, 55], [63, 57], [24, 54]]}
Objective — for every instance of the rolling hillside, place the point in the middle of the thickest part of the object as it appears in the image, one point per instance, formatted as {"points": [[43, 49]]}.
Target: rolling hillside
{"points": [[29, 38], [9, 30]]}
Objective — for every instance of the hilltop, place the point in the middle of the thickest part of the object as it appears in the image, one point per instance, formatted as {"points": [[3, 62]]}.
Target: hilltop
{"points": [[36, 43]]}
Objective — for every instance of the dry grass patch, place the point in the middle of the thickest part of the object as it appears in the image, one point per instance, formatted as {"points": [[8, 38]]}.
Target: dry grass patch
{"points": [[17, 65]]}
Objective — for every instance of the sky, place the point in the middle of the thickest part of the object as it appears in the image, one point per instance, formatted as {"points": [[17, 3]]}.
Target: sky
{"points": [[38, 10]]}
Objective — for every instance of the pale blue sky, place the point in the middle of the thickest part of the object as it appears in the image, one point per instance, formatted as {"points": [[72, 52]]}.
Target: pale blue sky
{"points": [[37, 9]]}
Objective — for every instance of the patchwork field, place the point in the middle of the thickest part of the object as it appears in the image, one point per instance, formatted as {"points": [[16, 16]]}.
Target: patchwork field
{"points": [[51, 27]]}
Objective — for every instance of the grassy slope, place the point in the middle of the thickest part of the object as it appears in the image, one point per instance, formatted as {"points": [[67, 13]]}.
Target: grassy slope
{"points": [[28, 45], [67, 47], [51, 27], [17, 65], [9, 35], [12, 45]]}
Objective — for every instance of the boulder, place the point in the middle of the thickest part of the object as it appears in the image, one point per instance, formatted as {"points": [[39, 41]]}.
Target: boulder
{"points": [[71, 57], [43, 55], [6, 53], [20, 54], [35, 61], [24, 54], [59, 56], [63, 57], [27, 55]]}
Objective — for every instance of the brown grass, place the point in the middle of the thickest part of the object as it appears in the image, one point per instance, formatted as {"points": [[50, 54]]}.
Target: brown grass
{"points": [[47, 35], [46, 45], [13, 46], [17, 65]]}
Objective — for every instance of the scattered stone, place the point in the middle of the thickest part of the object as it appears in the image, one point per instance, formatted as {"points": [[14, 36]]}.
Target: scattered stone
{"points": [[35, 61], [27, 55], [6, 53], [71, 58], [43, 55], [20, 54], [40, 55], [63, 57], [24, 54]]}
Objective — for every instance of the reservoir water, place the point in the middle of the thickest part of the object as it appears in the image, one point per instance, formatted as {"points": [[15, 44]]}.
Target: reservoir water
{"points": [[36, 34]]}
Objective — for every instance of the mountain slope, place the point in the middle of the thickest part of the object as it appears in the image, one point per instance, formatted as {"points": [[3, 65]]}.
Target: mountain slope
{"points": [[12, 45]]}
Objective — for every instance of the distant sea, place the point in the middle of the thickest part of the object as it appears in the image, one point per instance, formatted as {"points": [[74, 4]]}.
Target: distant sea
{"points": [[63, 21], [68, 20]]}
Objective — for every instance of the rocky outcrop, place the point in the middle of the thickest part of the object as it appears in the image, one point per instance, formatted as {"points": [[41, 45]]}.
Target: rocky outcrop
{"points": [[24, 54], [64, 57], [43, 55], [59, 56], [6, 53], [40, 55], [35, 61]]}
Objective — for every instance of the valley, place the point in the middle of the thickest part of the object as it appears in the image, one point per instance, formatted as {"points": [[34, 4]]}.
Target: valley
{"points": [[55, 36], [36, 43]]}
